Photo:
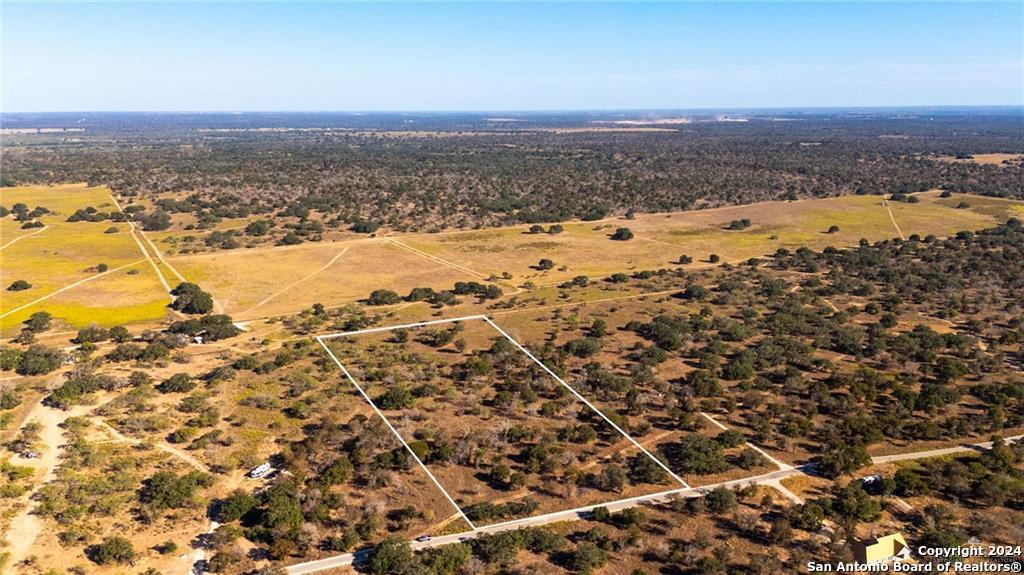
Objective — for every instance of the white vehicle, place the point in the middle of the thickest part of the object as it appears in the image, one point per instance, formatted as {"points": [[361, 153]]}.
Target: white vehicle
{"points": [[423, 538], [261, 471]]}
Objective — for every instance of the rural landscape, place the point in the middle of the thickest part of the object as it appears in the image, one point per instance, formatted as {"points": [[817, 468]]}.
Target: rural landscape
{"points": [[393, 368], [332, 287]]}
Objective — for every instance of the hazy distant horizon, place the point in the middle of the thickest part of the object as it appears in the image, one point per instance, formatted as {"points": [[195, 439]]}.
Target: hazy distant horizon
{"points": [[530, 57], [658, 111]]}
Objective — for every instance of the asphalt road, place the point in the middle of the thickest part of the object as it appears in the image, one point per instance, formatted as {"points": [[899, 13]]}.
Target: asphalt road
{"points": [[580, 513], [559, 516], [939, 452]]}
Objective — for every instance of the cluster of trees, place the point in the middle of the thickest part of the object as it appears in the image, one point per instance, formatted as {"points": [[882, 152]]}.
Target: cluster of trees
{"points": [[37, 359], [332, 457], [91, 214], [22, 213], [79, 384], [211, 327], [795, 369], [994, 478], [482, 291], [553, 229], [361, 180], [190, 298]]}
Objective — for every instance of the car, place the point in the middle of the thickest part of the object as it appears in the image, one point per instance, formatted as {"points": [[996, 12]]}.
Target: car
{"points": [[423, 538], [261, 471]]}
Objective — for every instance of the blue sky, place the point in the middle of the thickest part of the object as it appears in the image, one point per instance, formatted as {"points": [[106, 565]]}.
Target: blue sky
{"points": [[323, 56]]}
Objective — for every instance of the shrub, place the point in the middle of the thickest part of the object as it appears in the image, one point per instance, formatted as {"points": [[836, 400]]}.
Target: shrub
{"points": [[720, 500], [258, 228], [583, 347], [396, 397], [19, 285], [234, 506], [383, 297], [177, 383], [167, 490], [113, 550], [622, 234], [362, 227], [393, 555]]}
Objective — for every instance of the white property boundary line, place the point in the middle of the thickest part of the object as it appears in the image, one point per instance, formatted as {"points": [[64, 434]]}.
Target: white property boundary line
{"points": [[394, 431], [590, 405], [402, 326], [320, 340]]}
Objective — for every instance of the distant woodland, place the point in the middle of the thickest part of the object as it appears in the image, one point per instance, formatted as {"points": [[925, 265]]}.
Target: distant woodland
{"points": [[430, 172]]}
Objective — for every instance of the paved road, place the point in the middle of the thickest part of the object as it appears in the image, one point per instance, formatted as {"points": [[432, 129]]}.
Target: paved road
{"points": [[575, 514], [939, 452], [568, 515]]}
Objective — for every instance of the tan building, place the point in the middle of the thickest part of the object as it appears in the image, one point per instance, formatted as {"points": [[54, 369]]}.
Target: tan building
{"points": [[878, 549]]}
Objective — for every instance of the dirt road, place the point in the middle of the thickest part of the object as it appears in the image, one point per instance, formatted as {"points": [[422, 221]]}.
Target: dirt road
{"points": [[26, 526]]}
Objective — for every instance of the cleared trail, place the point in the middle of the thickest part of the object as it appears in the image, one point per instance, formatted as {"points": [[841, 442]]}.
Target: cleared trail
{"points": [[69, 286], [893, 219], [179, 454], [294, 284], [19, 238]]}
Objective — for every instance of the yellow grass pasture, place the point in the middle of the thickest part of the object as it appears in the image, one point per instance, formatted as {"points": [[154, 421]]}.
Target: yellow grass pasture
{"points": [[267, 281], [585, 248], [296, 277], [62, 254]]}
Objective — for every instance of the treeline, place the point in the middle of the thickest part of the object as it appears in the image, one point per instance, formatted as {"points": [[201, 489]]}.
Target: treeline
{"points": [[363, 180]]}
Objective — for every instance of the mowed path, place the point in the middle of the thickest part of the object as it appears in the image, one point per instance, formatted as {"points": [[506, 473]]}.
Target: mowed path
{"points": [[893, 218], [297, 282], [19, 238], [69, 286], [118, 436]]}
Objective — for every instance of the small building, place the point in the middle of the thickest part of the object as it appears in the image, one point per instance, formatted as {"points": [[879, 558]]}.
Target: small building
{"points": [[892, 547]]}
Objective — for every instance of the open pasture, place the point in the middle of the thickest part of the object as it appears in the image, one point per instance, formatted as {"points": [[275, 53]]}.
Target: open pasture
{"points": [[66, 256], [585, 248], [258, 283]]}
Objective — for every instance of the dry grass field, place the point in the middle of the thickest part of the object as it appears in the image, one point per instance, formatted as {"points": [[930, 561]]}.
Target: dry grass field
{"points": [[1001, 160], [268, 281], [59, 261], [258, 283], [585, 248]]}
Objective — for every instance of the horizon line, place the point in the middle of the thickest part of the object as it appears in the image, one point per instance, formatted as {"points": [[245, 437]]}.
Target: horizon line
{"points": [[534, 110]]}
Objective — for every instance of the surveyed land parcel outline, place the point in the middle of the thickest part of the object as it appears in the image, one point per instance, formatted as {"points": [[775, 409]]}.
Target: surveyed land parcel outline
{"points": [[322, 341]]}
